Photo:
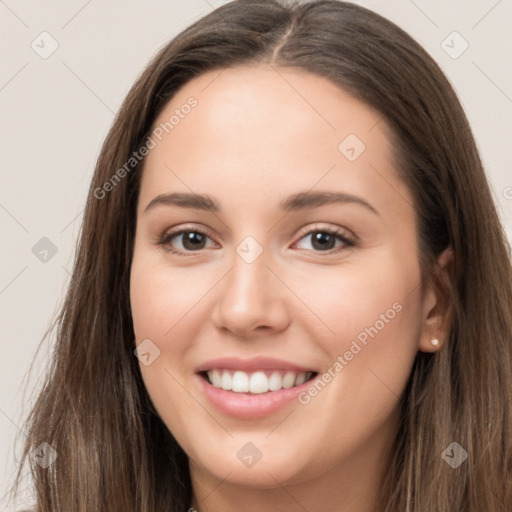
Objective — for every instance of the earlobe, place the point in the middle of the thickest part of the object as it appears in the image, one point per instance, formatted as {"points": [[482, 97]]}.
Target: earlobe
{"points": [[437, 304]]}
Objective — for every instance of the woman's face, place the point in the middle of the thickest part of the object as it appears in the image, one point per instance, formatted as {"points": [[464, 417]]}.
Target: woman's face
{"points": [[300, 262]]}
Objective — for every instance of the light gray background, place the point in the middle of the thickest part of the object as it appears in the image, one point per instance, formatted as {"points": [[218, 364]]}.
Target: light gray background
{"points": [[55, 113]]}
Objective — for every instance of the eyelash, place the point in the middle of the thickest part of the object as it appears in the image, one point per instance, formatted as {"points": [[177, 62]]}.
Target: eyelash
{"points": [[348, 242]]}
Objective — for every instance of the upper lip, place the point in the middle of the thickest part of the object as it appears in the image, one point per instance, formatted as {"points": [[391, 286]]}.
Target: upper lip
{"points": [[250, 365]]}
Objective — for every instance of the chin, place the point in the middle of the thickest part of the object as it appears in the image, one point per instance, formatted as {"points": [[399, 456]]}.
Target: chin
{"points": [[242, 463]]}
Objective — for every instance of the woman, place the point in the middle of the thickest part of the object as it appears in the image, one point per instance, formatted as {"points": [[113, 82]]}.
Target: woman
{"points": [[292, 290]]}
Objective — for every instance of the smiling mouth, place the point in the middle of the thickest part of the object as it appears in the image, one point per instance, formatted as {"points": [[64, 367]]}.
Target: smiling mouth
{"points": [[258, 382]]}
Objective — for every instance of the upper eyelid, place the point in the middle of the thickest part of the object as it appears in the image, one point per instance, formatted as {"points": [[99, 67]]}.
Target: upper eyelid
{"points": [[305, 231], [319, 227]]}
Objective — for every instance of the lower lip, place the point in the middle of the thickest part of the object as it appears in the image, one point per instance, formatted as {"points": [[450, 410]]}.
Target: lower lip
{"points": [[250, 406]]}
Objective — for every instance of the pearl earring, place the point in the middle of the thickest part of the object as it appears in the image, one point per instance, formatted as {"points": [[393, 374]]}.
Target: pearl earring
{"points": [[434, 341]]}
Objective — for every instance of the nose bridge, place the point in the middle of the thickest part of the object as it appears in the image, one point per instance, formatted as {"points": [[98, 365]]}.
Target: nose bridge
{"points": [[251, 296]]}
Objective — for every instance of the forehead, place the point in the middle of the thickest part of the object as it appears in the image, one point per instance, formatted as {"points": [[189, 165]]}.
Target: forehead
{"points": [[260, 130], [266, 99]]}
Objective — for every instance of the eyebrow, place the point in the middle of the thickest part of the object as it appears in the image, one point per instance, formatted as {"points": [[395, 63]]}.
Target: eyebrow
{"points": [[305, 200], [296, 202], [185, 200]]}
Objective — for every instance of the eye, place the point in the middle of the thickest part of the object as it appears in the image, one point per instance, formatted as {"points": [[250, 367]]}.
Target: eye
{"points": [[190, 240], [326, 240]]}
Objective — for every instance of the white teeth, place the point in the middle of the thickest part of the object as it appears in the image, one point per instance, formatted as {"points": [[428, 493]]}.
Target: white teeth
{"points": [[275, 382], [289, 380], [215, 377], [257, 382], [301, 378], [240, 382], [225, 381]]}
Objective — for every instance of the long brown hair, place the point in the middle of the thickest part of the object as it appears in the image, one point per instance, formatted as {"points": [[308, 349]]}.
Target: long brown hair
{"points": [[115, 453]]}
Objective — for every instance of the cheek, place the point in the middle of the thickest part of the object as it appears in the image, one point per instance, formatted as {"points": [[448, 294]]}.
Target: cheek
{"points": [[160, 303], [373, 315], [161, 297], [151, 309], [363, 300]]}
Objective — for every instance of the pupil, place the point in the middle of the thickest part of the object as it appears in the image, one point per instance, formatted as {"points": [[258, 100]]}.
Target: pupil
{"points": [[320, 240], [324, 240], [193, 238]]}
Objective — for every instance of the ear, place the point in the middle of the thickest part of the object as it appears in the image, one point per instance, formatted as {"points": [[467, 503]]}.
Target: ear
{"points": [[436, 316]]}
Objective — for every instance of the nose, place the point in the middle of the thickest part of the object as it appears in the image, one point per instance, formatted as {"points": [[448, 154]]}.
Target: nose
{"points": [[252, 300]]}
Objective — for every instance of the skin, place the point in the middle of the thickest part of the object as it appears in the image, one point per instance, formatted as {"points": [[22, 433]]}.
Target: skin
{"points": [[257, 135]]}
